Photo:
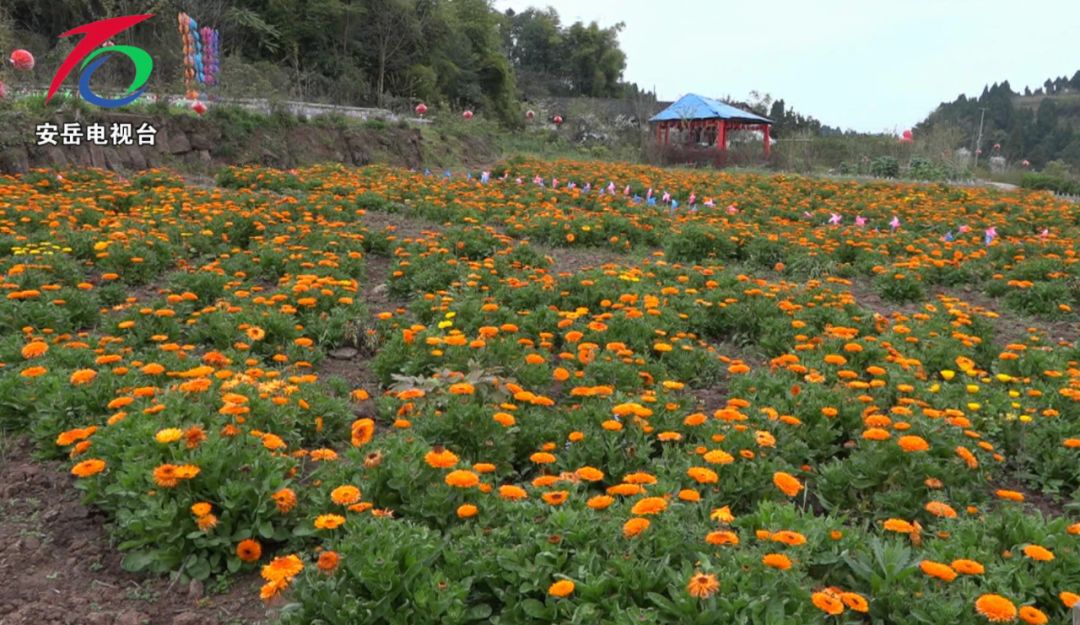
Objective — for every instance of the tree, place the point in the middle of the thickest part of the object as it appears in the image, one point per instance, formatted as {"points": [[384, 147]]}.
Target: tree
{"points": [[593, 59]]}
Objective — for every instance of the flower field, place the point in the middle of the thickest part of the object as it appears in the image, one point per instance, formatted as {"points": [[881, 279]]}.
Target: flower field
{"points": [[563, 392]]}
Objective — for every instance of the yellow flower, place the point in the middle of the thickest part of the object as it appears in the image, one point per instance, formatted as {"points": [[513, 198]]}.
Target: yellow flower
{"points": [[168, 435]]}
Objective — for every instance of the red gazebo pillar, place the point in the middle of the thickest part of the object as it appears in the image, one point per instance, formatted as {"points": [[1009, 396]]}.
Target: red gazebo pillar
{"points": [[721, 136], [765, 131]]}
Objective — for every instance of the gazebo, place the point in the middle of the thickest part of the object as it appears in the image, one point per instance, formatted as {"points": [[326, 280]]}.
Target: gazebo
{"points": [[708, 118]]}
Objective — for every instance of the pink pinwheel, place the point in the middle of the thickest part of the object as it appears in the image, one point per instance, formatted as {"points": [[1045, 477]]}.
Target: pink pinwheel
{"points": [[835, 219], [895, 223], [860, 221], [732, 209]]}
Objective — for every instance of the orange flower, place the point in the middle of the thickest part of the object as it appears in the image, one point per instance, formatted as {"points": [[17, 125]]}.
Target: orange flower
{"points": [[561, 588], [600, 502], [967, 567], [1010, 495], [776, 561], [83, 376], [555, 498], [899, 525], [466, 511], [722, 537], [504, 419], [789, 538], [936, 569], [702, 585], [345, 495], [995, 608], [828, 603], [941, 509], [913, 443], [590, 474], [649, 505], [462, 479], [249, 550], [512, 493], [328, 561], [34, 349], [87, 468], [635, 526], [1035, 552], [1033, 616], [440, 458], [285, 499], [329, 521], [787, 483], [702, 475], [282, 568], [166, 476], [855, 602], [269, 590], [362, 430]]}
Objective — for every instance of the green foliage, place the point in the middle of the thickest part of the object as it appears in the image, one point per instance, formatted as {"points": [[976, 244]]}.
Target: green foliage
{"points": [[1049, 182], [885, 167]]}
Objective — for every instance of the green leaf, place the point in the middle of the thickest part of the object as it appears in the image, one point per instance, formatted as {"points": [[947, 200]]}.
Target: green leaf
{"points": [[200, 569], [138, 560], [534, 608], [479, 612]]}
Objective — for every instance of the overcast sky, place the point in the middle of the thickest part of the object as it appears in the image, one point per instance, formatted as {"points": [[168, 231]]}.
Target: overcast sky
{"points": [[869, 65]]}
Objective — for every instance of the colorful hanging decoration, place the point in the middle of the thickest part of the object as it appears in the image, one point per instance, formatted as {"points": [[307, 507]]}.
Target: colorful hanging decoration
{"points": [[211, 55], [23, 60], [202, 55]]}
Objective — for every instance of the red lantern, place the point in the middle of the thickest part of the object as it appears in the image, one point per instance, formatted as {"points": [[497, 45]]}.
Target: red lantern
{"points": [[1025, 163], [907, 137], [467, 115], [198, 107], [22, 60], [421, 109], [558, 120], [529, 115]]}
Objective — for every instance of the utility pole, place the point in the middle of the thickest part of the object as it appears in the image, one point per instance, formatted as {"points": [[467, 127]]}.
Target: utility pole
{"points": [[978, 140]]}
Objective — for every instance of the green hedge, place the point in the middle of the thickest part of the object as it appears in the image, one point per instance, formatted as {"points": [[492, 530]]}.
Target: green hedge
{"points": [[1047, 182]]}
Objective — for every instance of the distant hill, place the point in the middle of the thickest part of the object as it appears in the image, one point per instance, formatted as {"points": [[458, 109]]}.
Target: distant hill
{"points": [[1040, 125]]}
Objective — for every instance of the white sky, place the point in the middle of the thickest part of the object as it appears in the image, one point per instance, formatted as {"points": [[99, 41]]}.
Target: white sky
{"points": [[868, 65]]}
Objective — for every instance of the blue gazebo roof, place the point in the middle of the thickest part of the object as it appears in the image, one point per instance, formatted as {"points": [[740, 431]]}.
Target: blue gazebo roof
{"points": [[693, 106]]}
